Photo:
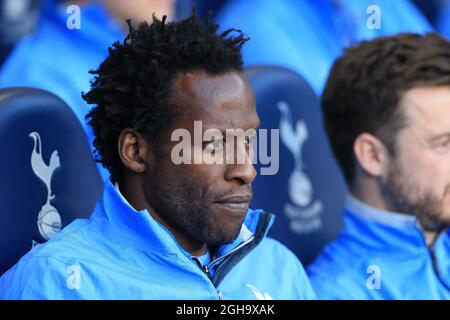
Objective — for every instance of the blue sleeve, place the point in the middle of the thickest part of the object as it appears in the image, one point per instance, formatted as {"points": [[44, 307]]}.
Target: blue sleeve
{"points": [[329, 288], [307, 292], [331, 282], [44, 278], [293, 276]]}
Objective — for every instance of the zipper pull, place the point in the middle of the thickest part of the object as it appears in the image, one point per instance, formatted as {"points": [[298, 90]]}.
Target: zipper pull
{"points": [[207, 271]]}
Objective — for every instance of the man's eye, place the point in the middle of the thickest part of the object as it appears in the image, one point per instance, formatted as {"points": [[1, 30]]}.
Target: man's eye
{"points": [[443, 146]]}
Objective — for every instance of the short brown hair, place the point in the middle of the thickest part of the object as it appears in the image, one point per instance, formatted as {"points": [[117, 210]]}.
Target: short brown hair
{"points": [[365, 86]]}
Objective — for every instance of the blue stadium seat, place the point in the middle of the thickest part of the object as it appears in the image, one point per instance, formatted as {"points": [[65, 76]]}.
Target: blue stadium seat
{"points": [[307, 193], [47, 173]]}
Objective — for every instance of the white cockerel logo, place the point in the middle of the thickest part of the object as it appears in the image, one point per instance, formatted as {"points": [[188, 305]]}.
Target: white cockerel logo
{"points": [[49, 220], [300, 188], [258, 294]]}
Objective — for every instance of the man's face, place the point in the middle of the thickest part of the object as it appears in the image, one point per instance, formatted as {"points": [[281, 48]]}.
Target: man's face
{"points": [[418, 181], [206, 202]]}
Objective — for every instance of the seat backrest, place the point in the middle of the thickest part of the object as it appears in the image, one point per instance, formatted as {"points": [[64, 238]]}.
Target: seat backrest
{"points": [[307, 192], [48, 175]]}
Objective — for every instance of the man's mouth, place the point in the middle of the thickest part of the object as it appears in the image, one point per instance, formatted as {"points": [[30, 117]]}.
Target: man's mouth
{"points": [[234, 206], [235, 203]]}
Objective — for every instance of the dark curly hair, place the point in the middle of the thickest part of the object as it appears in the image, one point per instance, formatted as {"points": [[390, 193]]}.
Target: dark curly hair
{"points": [[133, 86], [366, 84]]}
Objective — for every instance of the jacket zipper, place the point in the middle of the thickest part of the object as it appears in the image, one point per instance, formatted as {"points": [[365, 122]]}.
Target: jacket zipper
{"points": [[434, 262], [207, 272], [203, 268], [436, 267], [206, 269], [263, 223], [240, 246]]}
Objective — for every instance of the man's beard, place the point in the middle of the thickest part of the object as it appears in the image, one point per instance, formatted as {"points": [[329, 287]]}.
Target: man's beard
{"points": [[407, 197], [187, 208]]}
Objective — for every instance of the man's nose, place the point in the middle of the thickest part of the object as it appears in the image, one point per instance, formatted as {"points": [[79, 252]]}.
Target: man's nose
{"points": [[242, 167], [246, 173]]}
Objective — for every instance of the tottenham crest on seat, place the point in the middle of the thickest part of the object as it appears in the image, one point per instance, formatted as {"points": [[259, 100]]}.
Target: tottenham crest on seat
{"points": [[49, 219]]}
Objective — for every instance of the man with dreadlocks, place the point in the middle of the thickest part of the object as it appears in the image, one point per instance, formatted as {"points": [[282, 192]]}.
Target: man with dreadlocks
{"points": [[163, 230]]}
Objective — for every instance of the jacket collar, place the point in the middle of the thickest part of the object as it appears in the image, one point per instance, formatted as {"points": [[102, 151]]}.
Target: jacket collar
{"points": [[379, 229], [387, 218], [121, 223]]}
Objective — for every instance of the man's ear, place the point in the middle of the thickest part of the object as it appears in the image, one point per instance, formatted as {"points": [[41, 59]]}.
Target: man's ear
{"points": [[371, 154], [133, 150]]}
